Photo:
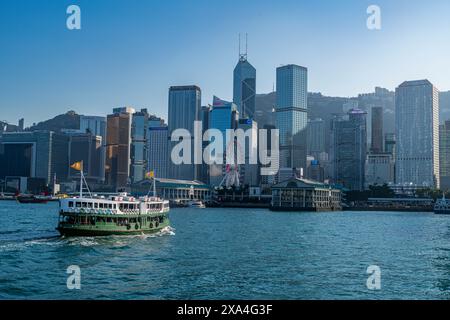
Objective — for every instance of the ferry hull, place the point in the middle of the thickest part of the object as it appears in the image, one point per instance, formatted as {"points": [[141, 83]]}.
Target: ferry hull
{"points": [[95, 231]]}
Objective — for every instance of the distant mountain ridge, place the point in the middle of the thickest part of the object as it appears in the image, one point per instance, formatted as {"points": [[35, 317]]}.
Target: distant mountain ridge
{"points": [[68, 120]]}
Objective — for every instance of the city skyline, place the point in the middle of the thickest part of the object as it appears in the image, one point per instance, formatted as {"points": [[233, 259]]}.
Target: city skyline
{"points": [[122, 62]]}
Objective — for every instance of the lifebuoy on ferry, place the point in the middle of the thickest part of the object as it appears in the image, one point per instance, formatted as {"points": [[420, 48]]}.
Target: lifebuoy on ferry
{"points": [[151, 225]]}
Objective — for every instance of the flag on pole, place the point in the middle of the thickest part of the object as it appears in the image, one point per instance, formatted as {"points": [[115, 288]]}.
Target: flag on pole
{"points": [[77, 166], [150, 175]]}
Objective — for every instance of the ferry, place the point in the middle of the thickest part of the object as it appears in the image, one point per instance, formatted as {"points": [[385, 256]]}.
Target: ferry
{"points": [[119, 214], [442, 206]]}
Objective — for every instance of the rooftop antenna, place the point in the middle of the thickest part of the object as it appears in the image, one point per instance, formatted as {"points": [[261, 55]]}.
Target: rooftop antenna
{"points": [[243, 56]]}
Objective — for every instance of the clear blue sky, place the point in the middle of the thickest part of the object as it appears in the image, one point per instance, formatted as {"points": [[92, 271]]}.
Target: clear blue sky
{"points": [[129, 52]]}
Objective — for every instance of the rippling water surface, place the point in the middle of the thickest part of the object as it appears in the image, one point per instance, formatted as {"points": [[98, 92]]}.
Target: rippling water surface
{"points": [[230, 254]]}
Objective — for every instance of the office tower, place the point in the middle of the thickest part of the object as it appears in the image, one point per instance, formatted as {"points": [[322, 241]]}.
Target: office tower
{"points": [[377, 130], [249, 173], [417, 133], [139, 153], [291, 115], [37, 154], [244, 87], [158, 144], [389, 143], [88, 148], [268, 180], [203, 174], [222, 116], [316, 137], [379, 98], [348, 149], [118, 147], [444, 155], [184, 110], [97, 126]]}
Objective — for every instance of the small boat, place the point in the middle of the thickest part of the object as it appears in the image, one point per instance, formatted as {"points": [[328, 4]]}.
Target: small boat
{"points": [[196, 204], [442, 206], [29, 198]]}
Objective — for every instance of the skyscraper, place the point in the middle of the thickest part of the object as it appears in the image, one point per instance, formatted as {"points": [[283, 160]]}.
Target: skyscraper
{"points": [[292, 114], [316, 137], [377, 130], [222, 116], [158, 143], [97, 126], [244, 87], [444, 155], [348, 149], [184, 110], [118, 147], [249, 173], [417, 133], [139, 151]]}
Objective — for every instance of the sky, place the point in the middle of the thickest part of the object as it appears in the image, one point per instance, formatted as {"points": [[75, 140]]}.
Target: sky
{"points": [[129, 52]]}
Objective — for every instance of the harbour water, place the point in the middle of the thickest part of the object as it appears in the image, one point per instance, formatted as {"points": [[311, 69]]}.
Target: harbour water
{"points": [[230, 254]]}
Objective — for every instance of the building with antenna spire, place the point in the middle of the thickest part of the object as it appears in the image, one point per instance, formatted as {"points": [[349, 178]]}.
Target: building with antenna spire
{"points": [[244, 84]]}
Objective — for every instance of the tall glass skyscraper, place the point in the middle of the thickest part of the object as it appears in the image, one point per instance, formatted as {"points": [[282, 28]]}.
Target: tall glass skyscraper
{"points": [[348, 149], [139, 153], [222, 116], [292, 115], [184, 110], [244, 87], [417, 133]]}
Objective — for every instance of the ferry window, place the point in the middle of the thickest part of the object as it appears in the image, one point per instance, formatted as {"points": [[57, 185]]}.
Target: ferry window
{"points": [[84, 204], [114, 206], [78, 204], [89, 204], [96, 205], [101, 205], [108, 219], [70, 204]]}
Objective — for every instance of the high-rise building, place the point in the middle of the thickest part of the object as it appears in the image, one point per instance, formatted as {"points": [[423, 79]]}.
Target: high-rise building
{"points": [[292, 115], [249, 172], [417, 133], [223, 116], [444, 155], [244, 87], [158, 144], [316, 137], [184, 110], [97, 126], [88, 148], [118, 147], [348, 149], [139, 153], [377, 130], [37, 154], [203, 174]]}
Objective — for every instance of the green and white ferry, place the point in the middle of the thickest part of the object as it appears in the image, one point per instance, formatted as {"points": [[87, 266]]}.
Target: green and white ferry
{"points": [[119, 214]]}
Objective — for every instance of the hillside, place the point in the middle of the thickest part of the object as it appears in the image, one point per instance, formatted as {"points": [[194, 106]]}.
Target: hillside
{"points": [[69, 120]]}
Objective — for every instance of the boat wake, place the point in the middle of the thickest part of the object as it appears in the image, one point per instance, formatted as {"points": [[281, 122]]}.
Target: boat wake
{"points": [[116, 241]]}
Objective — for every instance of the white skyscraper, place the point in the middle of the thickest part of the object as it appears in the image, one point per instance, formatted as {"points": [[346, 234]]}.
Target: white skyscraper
{"points": [[417, 131]]}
